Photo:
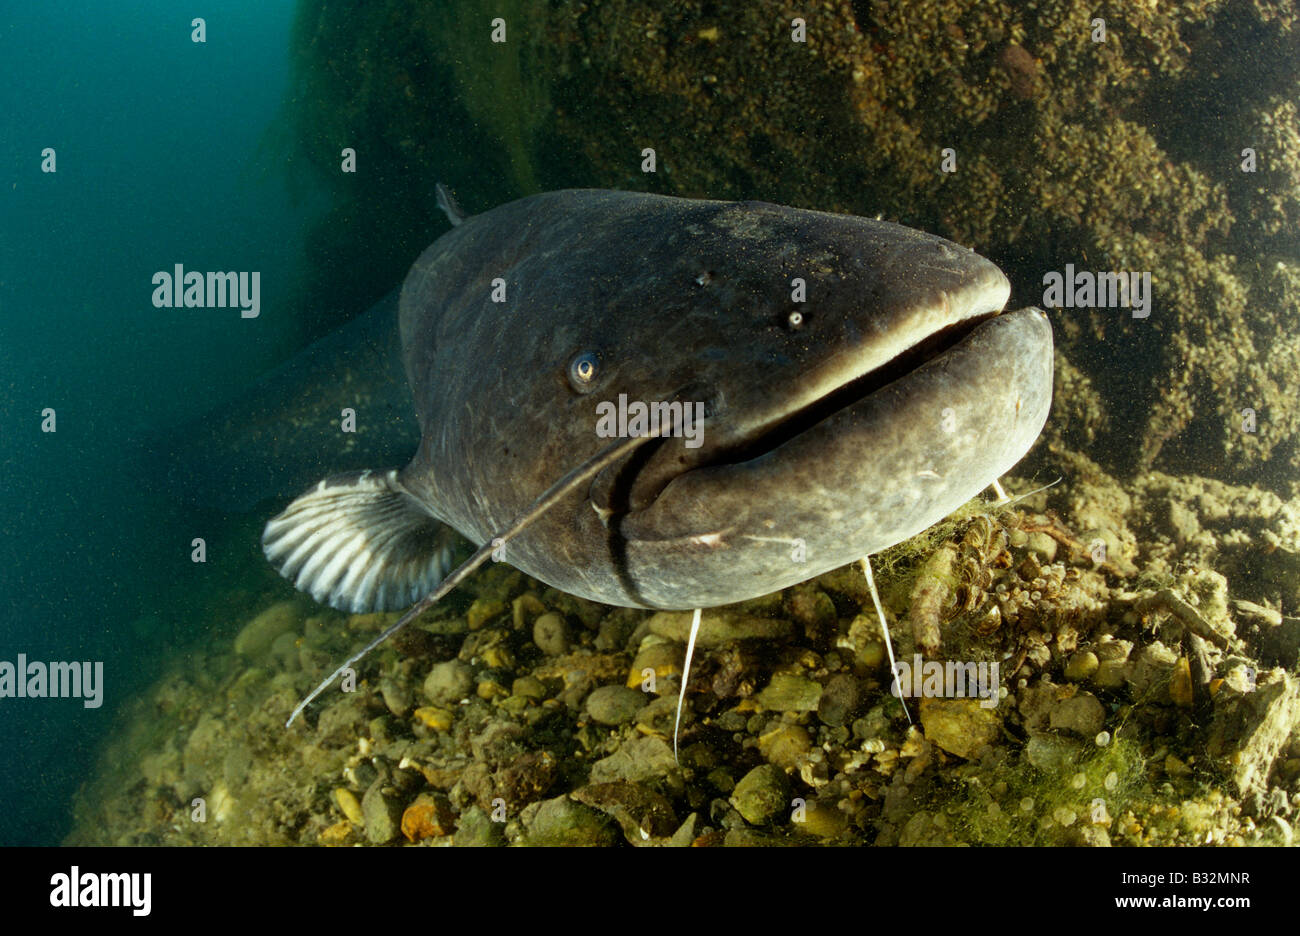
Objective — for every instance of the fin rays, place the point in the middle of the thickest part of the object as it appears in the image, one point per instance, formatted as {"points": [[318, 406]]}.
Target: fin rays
{"points": [[359, 542]]}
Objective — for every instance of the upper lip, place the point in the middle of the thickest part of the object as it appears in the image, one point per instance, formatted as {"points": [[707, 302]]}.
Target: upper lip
{"points": [[766, 438], [636, 482]]}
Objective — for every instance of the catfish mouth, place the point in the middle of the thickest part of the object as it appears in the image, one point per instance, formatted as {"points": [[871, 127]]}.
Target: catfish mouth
{"points": [[634, 484], [845, 395]]}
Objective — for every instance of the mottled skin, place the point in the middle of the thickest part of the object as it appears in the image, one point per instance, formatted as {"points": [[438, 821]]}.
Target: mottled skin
{"points": [[692, 300]]}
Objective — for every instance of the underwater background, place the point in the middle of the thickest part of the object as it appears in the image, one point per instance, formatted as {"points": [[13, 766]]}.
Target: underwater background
{"points": [[156, 143], [1157, 673]]}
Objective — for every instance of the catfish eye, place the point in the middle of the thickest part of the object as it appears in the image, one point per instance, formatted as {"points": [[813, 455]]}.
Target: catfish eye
{"points": [[582, 371], [794, 320]]}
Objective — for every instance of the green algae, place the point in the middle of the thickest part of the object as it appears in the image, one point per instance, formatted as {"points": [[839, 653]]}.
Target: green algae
{"points": [[1016, 804]]}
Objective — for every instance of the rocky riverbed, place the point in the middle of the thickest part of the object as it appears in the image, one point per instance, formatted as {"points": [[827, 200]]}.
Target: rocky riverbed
{"points": [[1146, 694]]}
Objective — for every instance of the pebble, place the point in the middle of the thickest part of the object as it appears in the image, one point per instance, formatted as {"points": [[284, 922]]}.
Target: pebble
{"points": [[529, 687], [789, 693], [316, 630], [1022, 73], [731, 720], [382, 815], [436, 718], [839, 701], [874, 724], [361, 775], [614, 631], [1081, 666], [865, 641], [1151, 670], [381, 732], [614, 705], [476, 829], [449, 682], [397, 697], [1043, 546], [658, 716], [824, 821], [311, 659], [1050, 753], [1251, 731], [960, 726], [1112, 667], [285, 648], [1093, 836], [342, 721], [484, 610], [561, 821], [518, 705], [259, 633], [638, 760], [1240, 677], [785, 745], [722, 780], [428, 817], [551, 634], [1083, 715], [641, 813], [811, 608], [663, 657], [349, 805], [527, 607], [337, 834], [761, 794]]}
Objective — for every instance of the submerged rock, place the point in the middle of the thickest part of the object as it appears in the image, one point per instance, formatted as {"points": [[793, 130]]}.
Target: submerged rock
{"points": [[1252, 729], [382, 814], [258, 634], [761, 794], [449, 682], [561, 821], [960, 726], [615, 705]]}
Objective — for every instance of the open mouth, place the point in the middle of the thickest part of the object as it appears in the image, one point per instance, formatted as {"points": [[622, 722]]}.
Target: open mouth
{"points": [[636, 483]]}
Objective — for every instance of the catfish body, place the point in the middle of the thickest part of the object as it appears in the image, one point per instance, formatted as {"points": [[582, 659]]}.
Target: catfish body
{"points": [[858, 380]]}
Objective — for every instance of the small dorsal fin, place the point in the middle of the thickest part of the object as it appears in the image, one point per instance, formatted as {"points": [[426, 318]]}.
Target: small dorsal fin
{"points": [[447, 202]]}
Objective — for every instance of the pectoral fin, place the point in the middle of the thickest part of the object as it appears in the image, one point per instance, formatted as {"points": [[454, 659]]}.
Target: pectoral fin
{"points": [[360, 542]]}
